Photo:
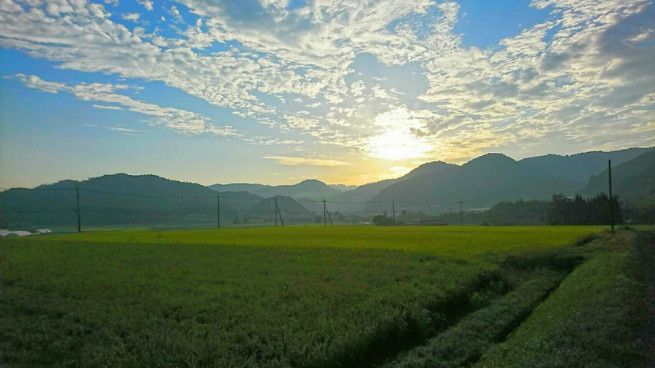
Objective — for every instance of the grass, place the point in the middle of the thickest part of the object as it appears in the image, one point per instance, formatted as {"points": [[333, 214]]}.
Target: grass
{"points": [[295, 296], [464, 343], [448, 241], [187, 305], [589, 321]]}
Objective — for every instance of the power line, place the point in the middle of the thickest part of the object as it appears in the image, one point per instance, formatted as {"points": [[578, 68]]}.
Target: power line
{"points": [[146, 195], [38, 211]]}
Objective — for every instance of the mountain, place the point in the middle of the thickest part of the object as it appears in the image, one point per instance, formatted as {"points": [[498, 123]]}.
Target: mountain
{"points": [[310, 188], [632, 181], [366, 192], [239, 201], [311, 205], [428, 168], [579, 167], [287, 205], [480, 182], [342, 187], [569, 172], [121, 199], [241, 187]]}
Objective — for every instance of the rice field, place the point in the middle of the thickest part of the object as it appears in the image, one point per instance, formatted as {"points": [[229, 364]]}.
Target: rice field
{"points": [[276, 297]]}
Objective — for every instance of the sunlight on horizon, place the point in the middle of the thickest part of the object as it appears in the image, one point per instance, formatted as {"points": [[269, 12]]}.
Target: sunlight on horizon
{"points": [[400, 138]]}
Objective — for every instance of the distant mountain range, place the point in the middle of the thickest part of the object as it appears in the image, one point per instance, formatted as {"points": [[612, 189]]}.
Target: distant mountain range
{"points": [[483, 181], [493, 178], [579, 167], [343, 187], [479, 183], [134, 199], [310, 188], [633, 181]]}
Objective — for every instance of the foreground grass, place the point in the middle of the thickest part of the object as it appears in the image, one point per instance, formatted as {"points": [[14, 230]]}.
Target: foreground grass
{"points": [[447, 241], [589, 321], [168, 305], [464, 343], [302, 297]]}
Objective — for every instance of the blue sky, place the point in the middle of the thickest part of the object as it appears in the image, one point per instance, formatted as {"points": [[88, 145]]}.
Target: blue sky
{"points": [[277, 91]]}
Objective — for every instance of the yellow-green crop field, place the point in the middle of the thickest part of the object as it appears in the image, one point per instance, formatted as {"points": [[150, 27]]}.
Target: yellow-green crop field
{"points": [[452, 242], [266, 297]]}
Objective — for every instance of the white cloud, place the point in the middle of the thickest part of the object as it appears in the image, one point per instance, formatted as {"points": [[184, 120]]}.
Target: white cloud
{"points": [[175, 13], [181, 121], [296, 161], [146, 4], [583, 72], [132, 17], [107, 107], [123, 130]]}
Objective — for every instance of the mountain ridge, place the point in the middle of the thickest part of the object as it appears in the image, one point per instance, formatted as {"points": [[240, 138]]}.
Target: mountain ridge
{"points": [[482, 181]]}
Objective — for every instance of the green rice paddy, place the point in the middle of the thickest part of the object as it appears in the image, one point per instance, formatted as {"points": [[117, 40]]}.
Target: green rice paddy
{"points": [[266, 297]]}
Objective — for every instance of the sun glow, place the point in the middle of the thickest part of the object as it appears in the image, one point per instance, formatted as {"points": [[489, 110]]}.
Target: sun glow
{"points": [[400, 137]]}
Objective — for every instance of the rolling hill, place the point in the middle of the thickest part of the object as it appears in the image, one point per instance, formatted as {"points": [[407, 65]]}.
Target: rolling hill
{"points": [[480, 182], [310, 188], [353, 199], [633, 181], [121, 199], [287, 205], [579, 167]]}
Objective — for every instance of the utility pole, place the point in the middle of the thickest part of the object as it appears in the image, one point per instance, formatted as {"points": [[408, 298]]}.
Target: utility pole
{"points": [[393, 209], [328, 214], [278, 213], [77, 197], [461, 213], [275, 210], [218, 211], [609, 167], [324, 213]]}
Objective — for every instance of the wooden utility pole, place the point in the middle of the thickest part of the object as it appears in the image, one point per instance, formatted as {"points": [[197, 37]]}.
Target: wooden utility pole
{"points": [[329, 217], [609, 167], [275, 198], [324, 213], [393, 209], [218, 211], [461, 214], [278, 213], [77, 197]]}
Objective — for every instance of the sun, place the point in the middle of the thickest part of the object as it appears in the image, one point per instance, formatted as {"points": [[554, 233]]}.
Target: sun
{"points": [[397, 139]]}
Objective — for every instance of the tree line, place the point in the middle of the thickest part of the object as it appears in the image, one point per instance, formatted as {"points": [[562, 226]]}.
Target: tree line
{"points": [[559, 210]]}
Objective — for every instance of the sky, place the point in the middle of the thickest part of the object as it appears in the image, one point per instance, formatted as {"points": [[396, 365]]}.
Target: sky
{"points": [[277, 91]]}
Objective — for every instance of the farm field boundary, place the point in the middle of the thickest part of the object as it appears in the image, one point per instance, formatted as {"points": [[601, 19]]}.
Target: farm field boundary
{"points": [[598, 315]]}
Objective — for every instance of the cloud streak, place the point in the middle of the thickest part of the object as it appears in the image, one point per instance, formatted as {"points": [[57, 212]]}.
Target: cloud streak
{"points": [[304, 161], [178, 120]]}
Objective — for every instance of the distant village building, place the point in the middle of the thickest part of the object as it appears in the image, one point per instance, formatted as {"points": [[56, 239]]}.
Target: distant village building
{"points": [[4, 233]]}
